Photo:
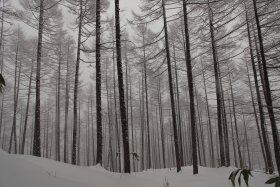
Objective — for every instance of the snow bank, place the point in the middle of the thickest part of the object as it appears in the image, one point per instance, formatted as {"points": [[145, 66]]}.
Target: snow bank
{"points": [[29, 171]]}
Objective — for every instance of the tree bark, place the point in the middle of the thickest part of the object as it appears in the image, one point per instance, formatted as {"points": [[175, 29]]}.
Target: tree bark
{"points": [[178, 109], [58, 108], [37, 126], [191, 90], [98, 86], [268, 97], [67, 82], [14, 131], [76, 85], [212, 155], [161, 119], [147, 102], [260, 107], [125, 134], [27, 110], [174, 123], [218, 88], [235, 124], [232, 134], [256, 118]]}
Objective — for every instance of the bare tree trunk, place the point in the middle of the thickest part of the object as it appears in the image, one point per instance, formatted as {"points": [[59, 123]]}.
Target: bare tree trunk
{"points": [[212, 155], [74, 143], [37, 126], [188, 127], [88, 134], [44, 140], [224, 117], [134, 151], [232, 134], [79, 135], [13, 132], [175, 131], [20, 128], [200, 123], [98, 86], [261, 112], [191, 90], [161, 119], [235, 124], [147, 102], [52, 135], [27, 110], [178, 109], [141, 104], [159, 155], [125, 134], [218, 88], [268, 97], [256, 118], [67, 82], [116, 116], [47, 135], [32, 136], [111, 153], [198, 144], [92, 129], [58, 108], [247, 143]]}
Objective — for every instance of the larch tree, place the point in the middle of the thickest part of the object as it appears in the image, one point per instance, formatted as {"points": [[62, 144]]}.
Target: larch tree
{"points": [[125, 133], [154, 11], [191, 89], [100, 7], [98, 85], [268, 97]]}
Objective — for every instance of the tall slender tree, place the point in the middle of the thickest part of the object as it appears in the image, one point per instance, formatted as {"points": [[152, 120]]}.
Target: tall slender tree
{"points": [[98, 86], [218, 88], [76, 84], [191, 89], [170, 80], [268, 98], [125, 133], [37, 124]]}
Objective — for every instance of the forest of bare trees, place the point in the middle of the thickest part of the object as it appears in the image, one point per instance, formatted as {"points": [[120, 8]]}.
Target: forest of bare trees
{"points": [[177, 83]]}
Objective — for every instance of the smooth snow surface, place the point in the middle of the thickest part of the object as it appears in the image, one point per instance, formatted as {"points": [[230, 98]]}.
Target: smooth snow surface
{"points": [[29, 171]]}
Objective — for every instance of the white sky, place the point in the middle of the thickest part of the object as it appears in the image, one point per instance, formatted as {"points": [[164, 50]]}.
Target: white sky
{"points": [[126, 7]]}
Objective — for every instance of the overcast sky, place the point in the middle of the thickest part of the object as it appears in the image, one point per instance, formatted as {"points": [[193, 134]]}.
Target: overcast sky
{"points": [[126, 7]]}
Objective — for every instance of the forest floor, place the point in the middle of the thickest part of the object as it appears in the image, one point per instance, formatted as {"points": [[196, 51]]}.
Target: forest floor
{"points": [[29, 171]]}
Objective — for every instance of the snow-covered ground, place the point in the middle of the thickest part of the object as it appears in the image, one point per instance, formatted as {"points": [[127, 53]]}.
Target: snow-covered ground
{"points": [[28, 171]]}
